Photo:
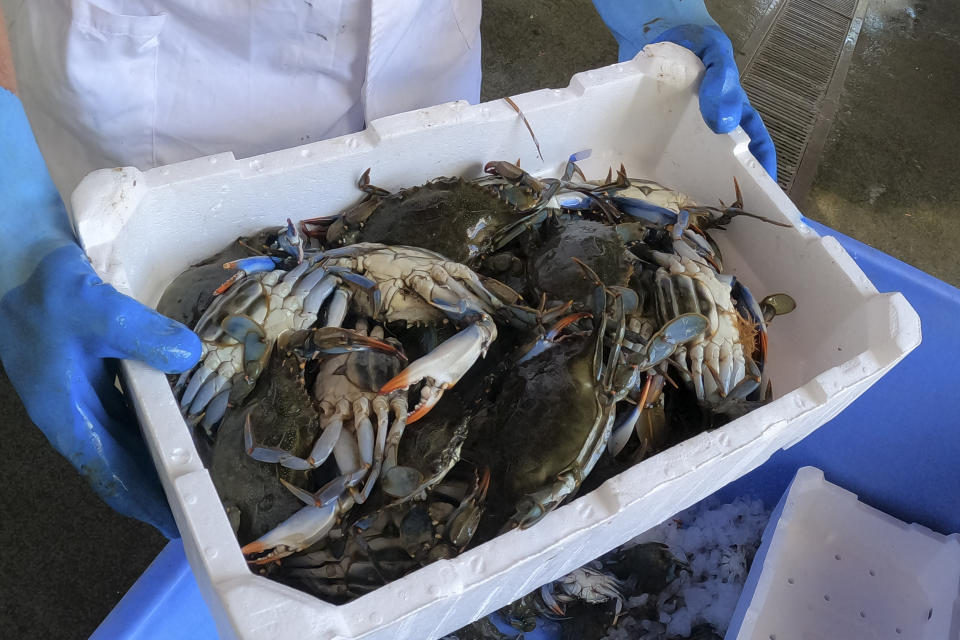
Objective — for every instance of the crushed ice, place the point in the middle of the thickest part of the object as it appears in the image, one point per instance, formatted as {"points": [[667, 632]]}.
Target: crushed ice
{"points": [[717, 543], [681, 579]]}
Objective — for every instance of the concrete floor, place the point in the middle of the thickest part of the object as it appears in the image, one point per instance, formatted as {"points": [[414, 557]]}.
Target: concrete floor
{"points": [[887, 176]]}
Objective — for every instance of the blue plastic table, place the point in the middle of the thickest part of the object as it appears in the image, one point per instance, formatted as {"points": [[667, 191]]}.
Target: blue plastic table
{"points": [[897, 447]]}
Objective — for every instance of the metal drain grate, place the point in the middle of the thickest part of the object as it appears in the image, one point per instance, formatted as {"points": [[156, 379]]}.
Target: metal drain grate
{"points": [[789, 76], [843, 7]]}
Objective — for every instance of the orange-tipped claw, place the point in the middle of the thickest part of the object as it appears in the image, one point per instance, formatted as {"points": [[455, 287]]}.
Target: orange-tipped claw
{"points": [[646, 391], [258, 547], [425, 405], [443, 367], [484, 484], [253, 547], [565, 322], [229, 283], [400, 381], [374, 343], [337, 340]]}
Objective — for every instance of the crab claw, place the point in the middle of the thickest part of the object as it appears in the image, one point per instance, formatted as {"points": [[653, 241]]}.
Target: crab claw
{"points": [[337, 340], [443, 367], [290, 241], [244, 266], [553, 335], [547, 595], [298, 532]]}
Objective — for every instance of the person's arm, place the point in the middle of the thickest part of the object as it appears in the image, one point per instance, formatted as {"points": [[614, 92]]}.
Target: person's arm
{"points": [[723, 102], [62, 329]]}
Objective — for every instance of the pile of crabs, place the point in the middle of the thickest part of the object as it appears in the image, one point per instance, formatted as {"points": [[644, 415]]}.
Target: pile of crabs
{"points": [[388, 386]]}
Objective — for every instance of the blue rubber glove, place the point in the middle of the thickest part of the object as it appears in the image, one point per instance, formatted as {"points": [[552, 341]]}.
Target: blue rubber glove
{"points": [[723, 102], [62, 329]]}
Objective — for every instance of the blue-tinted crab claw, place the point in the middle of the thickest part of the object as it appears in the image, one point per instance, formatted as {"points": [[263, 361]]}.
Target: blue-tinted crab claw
{"points": [[291, 241], [572, 169], [678, 227], [549, 599], [303, 529], [756, 313], [244, 266], [643, 210], [444, 366]]}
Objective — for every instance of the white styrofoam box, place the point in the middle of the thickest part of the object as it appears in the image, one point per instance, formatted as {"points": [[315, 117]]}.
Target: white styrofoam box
{"points": [[142, 228], [831, 567]]}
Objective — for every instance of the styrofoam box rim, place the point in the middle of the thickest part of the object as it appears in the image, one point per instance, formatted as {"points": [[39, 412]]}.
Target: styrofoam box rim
{"points": [[809, 497], [443, 596]]}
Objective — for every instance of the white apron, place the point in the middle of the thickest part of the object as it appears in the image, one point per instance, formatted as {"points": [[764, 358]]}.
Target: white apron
{"points": [[148, 82]]}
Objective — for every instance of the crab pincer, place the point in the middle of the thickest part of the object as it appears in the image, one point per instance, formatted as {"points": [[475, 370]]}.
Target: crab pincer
{"points": [[443, 367], [415, 285], [304, 528]]}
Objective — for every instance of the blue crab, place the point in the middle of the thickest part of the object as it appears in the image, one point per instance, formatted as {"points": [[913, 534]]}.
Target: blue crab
{"points": [[380, 282]]}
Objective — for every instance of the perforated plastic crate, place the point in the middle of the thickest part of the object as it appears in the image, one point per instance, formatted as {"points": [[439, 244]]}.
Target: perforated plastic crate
{"points": [[832, 567], [142, 228]]}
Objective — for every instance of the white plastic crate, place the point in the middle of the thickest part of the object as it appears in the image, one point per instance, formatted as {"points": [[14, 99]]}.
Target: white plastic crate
{"points": [[142, 228], [832, 567]]}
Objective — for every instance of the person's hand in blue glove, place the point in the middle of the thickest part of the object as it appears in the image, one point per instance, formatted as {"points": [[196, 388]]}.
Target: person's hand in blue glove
{"points": [[723, 102], [62, 330]]}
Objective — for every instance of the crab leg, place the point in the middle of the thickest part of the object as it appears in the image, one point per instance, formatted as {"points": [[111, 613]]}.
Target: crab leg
{"points": [[399, 408], [338, 308], [216, 409], [240, 328], [328, 439], [382, 410]]}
